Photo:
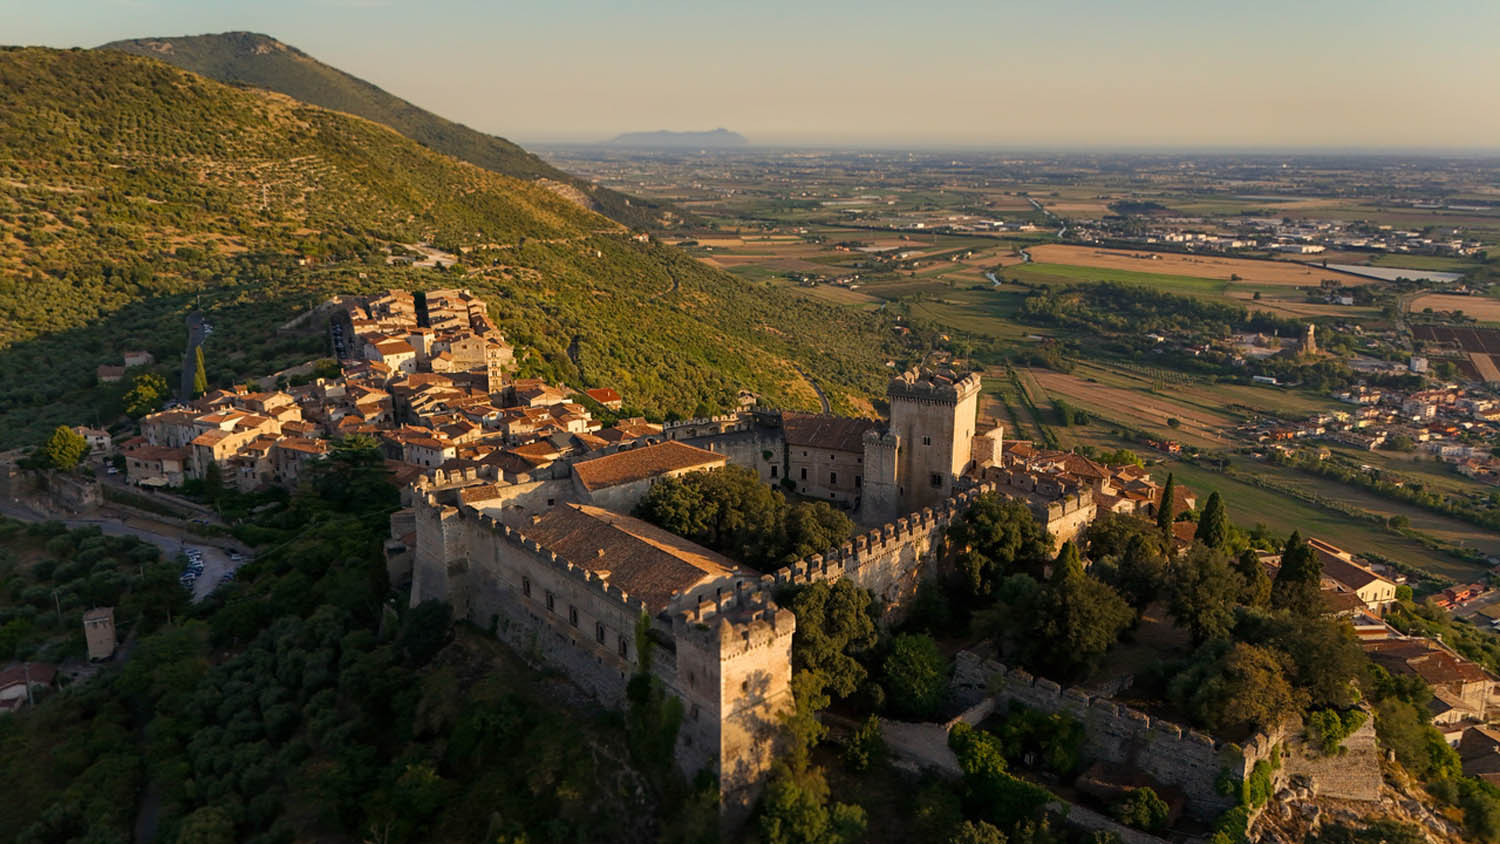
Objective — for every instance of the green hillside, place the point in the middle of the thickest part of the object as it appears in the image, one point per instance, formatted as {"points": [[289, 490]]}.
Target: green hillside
{"points": [[247, 58], [132, 192]]}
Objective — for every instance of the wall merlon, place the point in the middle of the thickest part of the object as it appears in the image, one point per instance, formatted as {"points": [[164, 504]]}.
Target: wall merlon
{"points": [[1195, 737], [1105, 706]]}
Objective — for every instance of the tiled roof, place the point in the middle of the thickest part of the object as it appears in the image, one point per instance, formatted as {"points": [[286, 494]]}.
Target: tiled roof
{"points": [[648, 563], [835, 433], [640, 463], [603, 395]]}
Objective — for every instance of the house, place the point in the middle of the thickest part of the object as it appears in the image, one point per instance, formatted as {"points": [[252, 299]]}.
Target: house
{"points": [[99, 632], [618, 481], [110, 374], [137, 358], [607, 397], [20, 683], [98, 439], [1461, 689], [156, 465], [1340, 567], [825, 455]]}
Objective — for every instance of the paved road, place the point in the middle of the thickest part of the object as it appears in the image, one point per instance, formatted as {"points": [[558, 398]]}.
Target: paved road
{"points": [[196, 336], [822, 397], [170, 540]]}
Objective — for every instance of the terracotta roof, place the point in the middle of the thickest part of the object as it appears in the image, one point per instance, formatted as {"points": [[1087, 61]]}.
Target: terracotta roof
{"points": [[300, 444], [41, 674], [640, 463], [835, 433], [644, 561], [603, 395]]}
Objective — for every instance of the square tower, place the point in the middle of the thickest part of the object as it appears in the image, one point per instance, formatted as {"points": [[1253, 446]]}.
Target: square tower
{"points": [[933, 415]]}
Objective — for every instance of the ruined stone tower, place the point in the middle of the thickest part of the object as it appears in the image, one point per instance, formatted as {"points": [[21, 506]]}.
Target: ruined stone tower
{"points": [[933, 417]]}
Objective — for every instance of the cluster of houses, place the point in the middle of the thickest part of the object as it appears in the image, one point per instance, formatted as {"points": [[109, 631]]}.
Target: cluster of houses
{"points": [[109, 373], [1277, 234], [23, 684], [1449, 424], [429, 379]]}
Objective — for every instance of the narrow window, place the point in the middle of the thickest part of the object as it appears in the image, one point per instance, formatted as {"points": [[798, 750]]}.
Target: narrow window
{"points": [[572, 615], [526, 586], [773, 471], [599, 633], [804, 473], [551, 602], [833, 477], [927, 441], [856, 481], [937, 480], [624, 647]]}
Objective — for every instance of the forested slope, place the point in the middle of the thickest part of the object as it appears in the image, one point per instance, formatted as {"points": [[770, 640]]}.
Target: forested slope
{"points": [[252, 59], [132, 192]]}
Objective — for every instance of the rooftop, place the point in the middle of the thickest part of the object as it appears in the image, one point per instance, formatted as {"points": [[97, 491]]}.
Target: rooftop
{"points": [[640, 463], [643, 560], [835, 433]]}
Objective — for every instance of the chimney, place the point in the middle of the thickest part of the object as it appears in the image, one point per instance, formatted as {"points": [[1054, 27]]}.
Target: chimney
{"points": [[536, 517]]}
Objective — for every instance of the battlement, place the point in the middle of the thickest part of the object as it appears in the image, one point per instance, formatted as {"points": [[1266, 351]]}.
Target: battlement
{"points": [[875, 438], [752, 622], [933, 386], [591, 578], [846, 559]]}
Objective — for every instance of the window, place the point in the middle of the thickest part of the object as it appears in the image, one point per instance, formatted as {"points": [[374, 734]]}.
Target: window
{"points": [[804, 454], [624, 647], [833, 477], [526, 586], [551, 602], [773, 471], [572, 615], [551, 501], [856, 481], [744, 685], [937, 480], [804, 473], [927, 441], [692, 681], [599, 632]]}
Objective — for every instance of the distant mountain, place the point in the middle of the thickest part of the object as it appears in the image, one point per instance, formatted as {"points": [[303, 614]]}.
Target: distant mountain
{"points": [[664, 139], [248, 58]]}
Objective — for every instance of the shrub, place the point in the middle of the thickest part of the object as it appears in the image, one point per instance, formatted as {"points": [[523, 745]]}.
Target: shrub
{"points": [[1142, 809], [865, 747]]}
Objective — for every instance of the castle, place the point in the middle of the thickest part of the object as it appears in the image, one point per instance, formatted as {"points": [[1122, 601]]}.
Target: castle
{"points": [[549, 560]]}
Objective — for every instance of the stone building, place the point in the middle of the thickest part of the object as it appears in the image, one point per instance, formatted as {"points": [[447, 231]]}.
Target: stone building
{"points": [[99, 632], [927, 446], [825, 455], [573, 586]]}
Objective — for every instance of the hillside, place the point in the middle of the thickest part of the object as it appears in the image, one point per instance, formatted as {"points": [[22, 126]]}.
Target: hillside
{"points": [[247, 58], [664, 139], [132, 192]]}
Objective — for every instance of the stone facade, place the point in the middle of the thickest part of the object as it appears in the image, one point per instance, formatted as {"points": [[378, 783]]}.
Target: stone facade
{"points": [[933, 417], [724, 648]]}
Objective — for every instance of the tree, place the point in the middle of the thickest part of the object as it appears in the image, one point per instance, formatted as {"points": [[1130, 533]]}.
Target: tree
{"points": [[424, 631], [1205, 589], [1298, 584], [792, 812], [1068, 563], [915, 675], [1257, 584], [865, 746], [1164, 510], [146, 394], [834, 626], [1234, 687], [208, 825], [1213, 523], [200, 373], [995, 537], [976, 832], [1142, 809], [64, 449], [1069, 623]]}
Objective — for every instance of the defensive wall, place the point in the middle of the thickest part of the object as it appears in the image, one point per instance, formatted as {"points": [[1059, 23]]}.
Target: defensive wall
{"points": [[724, 649], [891, 560]]}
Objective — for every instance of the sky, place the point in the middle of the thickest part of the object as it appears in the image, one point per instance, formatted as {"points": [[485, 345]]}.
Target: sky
{"points": [[996, 74]]}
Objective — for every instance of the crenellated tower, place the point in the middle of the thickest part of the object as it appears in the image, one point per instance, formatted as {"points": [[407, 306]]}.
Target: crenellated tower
{"points": [[934, 416]]}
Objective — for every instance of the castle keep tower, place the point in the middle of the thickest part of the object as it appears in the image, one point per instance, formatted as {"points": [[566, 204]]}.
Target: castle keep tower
{"points": [[933, 415]]}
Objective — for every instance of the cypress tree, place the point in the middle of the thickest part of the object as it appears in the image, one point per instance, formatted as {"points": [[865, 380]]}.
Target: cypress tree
{"points": [[1257, 582], [200, 374], [1068, 564], [1164, 510], [1213, 524], [1297, 586]]}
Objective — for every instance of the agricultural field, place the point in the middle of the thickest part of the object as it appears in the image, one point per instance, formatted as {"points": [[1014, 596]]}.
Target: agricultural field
{"points": [[1242, 271], [1482, 308], [1197, 425]]}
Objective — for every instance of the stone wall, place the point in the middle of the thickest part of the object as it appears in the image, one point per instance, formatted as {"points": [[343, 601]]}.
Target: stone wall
{"points": [[891, 560], [1186, 759]]}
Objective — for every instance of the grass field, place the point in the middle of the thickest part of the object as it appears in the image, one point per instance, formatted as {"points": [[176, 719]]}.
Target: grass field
{"points": [[1249, 505], [1136, 408], [1064, 274], [1242, 271], [1482, 308]]}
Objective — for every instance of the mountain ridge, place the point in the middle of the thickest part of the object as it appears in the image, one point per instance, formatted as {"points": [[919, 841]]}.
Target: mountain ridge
{"points": [[259, 60], [720, 138], [133, 192]]}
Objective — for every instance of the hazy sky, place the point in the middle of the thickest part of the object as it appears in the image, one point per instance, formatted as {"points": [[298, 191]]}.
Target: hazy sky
{"points": [[1414, 73]]}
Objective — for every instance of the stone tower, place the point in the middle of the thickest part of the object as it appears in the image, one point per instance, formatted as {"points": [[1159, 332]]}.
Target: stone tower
{"points": [[933, 416], [880, 490], [1309, 343]]}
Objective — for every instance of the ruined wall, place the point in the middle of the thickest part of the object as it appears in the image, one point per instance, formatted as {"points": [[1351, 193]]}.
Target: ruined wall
{"points": [[890, 560], [1184, 758]]}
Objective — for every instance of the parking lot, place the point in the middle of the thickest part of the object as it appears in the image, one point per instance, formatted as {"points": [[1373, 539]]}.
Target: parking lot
{"points": [[207, 567]]}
